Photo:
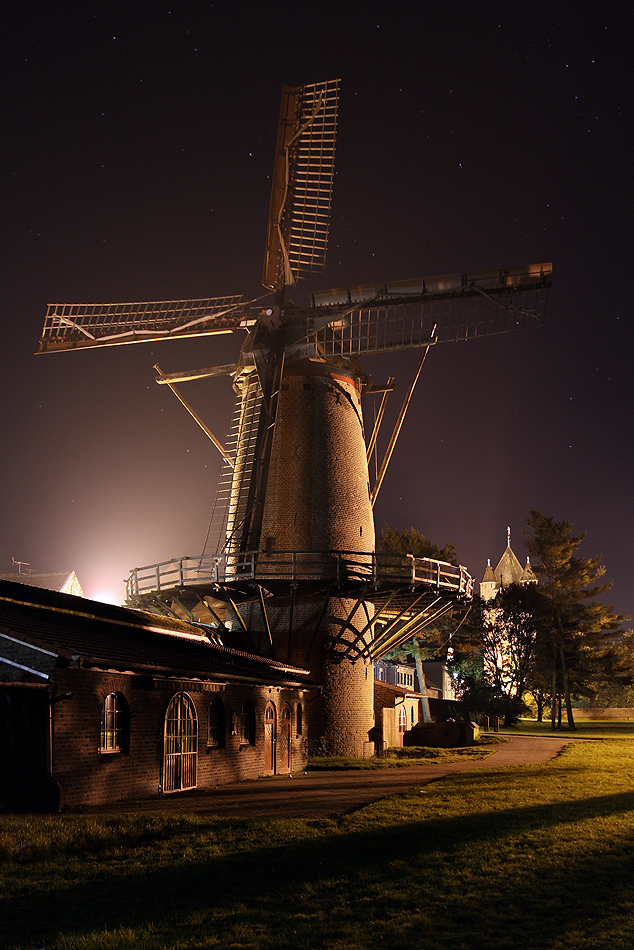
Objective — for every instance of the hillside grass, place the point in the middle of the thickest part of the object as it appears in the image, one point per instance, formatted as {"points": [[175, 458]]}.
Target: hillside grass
{"points": [[527, 857]]}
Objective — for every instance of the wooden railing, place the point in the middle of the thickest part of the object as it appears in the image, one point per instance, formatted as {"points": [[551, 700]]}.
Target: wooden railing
{"points": [[340, 567]]}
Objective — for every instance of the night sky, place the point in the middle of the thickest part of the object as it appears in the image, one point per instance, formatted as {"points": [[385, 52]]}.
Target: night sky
{"points": [[137, 149]]}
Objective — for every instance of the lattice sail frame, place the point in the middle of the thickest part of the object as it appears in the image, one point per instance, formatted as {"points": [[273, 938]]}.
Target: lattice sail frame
{"points": [[78, 325], [408, 314], [303, 175]]}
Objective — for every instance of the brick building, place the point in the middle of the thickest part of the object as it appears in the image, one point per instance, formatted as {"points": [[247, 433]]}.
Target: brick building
{"points": [[100, 703]]}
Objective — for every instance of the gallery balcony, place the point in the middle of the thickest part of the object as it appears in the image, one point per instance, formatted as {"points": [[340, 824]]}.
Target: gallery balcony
{"points": [[342, 569]]}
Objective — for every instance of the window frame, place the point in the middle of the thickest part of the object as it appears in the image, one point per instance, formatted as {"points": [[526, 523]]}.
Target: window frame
{"points": [[247, 723], [114, 734]]}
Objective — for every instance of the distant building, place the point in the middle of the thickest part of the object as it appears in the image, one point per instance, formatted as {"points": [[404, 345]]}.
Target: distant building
{"points": [[499, 659], [398, 698], [438, 682], [508, 571], [64, 582]]}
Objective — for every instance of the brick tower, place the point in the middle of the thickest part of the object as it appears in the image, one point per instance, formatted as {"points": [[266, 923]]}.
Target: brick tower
{"points": [[317, 504]]}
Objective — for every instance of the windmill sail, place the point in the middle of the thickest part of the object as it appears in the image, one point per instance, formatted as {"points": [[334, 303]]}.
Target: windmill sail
{"points": [[381, 317], [76, 325], [303, 175]]}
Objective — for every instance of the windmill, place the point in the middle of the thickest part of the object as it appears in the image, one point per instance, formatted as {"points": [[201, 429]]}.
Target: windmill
{"points": [[295, 574]]}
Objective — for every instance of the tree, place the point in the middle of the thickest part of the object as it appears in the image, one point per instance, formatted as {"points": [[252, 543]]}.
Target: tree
{"points": [[609, 677], [411, 541], [511, 629], [576, 622], [495, 653]]}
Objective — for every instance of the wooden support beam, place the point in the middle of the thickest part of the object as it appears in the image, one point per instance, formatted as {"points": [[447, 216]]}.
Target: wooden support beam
{"points": [[265, 617], [194, 416], [167, 379], [377, 425], [399, 423]]}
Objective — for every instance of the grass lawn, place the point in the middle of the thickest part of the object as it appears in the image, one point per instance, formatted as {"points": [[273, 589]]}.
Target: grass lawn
{"points": [[410, 755], [528, 857]]}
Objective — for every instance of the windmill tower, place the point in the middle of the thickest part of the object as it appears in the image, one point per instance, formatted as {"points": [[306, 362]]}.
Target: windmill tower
{"points": [[295, 574]]}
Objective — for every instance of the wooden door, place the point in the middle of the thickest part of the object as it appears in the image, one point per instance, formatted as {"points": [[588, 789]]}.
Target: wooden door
{"points": [[284, 756]]}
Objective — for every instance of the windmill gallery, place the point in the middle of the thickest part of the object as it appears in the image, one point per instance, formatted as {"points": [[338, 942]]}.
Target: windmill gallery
{"points": [[270, 635]]}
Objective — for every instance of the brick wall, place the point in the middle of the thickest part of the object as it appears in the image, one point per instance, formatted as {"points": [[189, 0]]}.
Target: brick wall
{"points": [[341, 715], [318, 491], [604, 712], [88, 776]]}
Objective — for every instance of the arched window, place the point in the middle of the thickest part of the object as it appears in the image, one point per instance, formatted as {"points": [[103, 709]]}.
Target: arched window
{"points": [[180, 744], [247, 724], [115, 724], [216, 724], [300, 719]]}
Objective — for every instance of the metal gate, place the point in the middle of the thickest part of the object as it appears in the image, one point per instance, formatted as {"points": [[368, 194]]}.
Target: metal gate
{"points": [[285, 740], [269, 738], [180, 744]]}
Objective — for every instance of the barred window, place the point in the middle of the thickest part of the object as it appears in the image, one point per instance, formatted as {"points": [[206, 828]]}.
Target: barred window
{"points": [[216, 725], [115, 722]]}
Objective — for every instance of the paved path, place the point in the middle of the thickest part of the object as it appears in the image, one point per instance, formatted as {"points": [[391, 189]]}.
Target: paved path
{"points": [[324, 794]]}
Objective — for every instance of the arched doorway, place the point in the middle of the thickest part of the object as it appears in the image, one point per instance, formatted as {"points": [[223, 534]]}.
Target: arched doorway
{"points": [[285, 740], [402, 723], [269, 737], [180, 744]]}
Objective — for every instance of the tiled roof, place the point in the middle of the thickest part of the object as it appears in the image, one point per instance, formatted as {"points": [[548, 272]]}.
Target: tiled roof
{"points": [[55, 581], [119, 638], [489, 576], [386, 695], [528, 575], [509, 570]]}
